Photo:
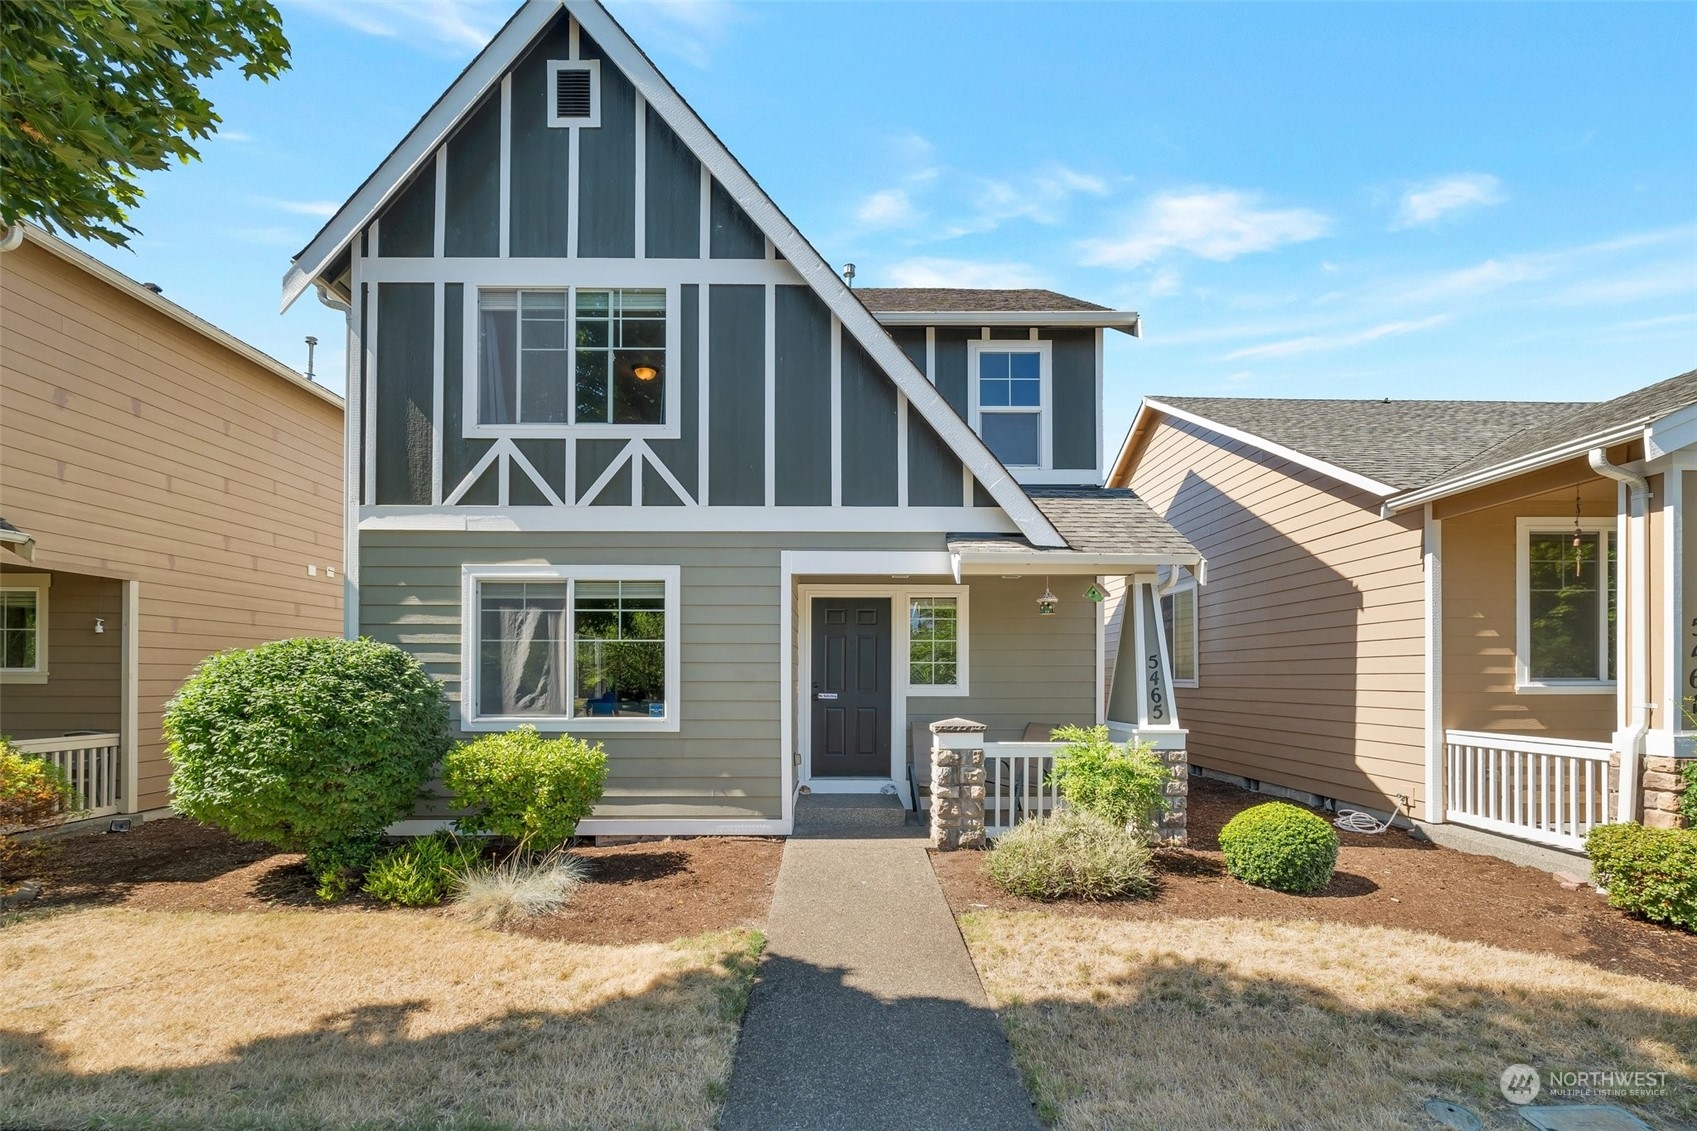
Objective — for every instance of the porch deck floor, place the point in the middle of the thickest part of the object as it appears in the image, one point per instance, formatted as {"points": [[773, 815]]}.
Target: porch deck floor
{"points": [[868, 1012]]}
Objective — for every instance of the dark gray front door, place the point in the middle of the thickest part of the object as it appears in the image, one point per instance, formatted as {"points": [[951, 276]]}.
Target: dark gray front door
{"points": [[851, 686]]}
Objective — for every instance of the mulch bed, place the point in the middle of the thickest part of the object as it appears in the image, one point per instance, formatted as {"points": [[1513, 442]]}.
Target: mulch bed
{"points": [[1390, 880], [648, 892]]}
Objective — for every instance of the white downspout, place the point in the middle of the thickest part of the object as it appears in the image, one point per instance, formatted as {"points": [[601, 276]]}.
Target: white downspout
{"points": [[1631, 743]]}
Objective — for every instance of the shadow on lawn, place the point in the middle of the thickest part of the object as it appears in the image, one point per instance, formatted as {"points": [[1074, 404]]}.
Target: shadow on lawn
{"points": [[659, 1057], [1280, 1052]]}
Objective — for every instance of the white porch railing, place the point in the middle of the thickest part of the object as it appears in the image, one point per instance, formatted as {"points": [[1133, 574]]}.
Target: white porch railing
{"points": [[93, 762], [1549, 790], [1016, 785]]}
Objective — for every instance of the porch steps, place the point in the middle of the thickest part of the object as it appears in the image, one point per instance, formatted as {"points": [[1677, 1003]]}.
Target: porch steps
{"points": [[850, 814]]}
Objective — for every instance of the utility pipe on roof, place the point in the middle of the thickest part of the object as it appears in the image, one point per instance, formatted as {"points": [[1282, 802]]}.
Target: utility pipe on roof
{"points": [[1638, 558]]}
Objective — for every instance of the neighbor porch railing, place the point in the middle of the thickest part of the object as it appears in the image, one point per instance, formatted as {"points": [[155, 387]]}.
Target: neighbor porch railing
{"points": [[1549, 790], [93, 762]]}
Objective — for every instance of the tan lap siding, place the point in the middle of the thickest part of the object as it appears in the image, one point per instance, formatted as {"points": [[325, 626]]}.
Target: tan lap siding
{"points": [[134, 447], [1310, 629]]}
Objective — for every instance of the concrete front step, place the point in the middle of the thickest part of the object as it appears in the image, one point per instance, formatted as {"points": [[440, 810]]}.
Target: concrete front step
{"points": [[848, 813]]}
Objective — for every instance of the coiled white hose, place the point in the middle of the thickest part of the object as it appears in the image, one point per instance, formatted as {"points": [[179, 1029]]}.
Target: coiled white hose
{"points": [[1355, 821]]}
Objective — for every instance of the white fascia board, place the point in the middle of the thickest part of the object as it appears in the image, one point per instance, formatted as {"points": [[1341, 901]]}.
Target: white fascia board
{"points": [[1673, 432], [1342, 474], [1068, 561], [818, 274], [480, 76], [1117, 470], [1127, 321], [1534, 462]]}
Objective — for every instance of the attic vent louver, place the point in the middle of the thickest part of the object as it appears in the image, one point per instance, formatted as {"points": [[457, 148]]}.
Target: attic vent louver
{"points": [[574, 93]]}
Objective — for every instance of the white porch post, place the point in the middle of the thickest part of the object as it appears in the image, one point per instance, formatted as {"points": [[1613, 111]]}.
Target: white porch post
{"points": [[129, 716], [1434, 602], [1142, 705]]}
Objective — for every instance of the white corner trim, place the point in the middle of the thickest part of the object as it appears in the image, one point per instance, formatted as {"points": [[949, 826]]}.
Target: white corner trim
{"points": [[1341, 474]]}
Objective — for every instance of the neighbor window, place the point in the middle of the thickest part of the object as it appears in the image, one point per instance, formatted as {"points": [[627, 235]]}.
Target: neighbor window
{"points": [[936, 644], [578, 356], [1178, 619], [22, 631], [555, 647], [1567, 606], [1010, 387]]}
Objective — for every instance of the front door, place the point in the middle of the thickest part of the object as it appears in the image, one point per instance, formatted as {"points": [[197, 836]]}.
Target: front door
{"points": [[851, 687]]}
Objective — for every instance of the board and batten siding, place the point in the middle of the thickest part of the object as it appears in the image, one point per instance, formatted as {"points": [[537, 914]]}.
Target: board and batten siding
{"points": [[1311, 627], [132, 447], [724, 762]]}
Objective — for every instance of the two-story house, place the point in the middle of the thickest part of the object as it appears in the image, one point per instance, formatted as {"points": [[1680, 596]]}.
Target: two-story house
{"points": [[627, 458]]}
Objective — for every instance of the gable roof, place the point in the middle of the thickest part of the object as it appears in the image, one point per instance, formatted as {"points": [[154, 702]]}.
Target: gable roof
{"points": [[1383, 446], [502, 53], [1104, 526], [978, 306]]}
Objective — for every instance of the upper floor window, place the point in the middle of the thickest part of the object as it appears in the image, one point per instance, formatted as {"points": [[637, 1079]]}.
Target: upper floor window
{"points": [[1010, 400], [571, 356], [1566, 606]]}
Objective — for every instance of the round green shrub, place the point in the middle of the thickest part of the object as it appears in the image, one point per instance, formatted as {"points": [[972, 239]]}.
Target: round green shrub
{"points": [[1072, 854], [525, 787], [1280, 846], [313, 745], [1124, 784]]}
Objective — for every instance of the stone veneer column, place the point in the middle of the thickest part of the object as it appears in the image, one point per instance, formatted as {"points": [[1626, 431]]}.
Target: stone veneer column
{"points": [[1173, 827], [1662, 785], [957, 784]]}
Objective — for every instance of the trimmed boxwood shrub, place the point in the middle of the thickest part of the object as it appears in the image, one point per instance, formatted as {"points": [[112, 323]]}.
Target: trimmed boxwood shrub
{"points": [[420, 872], [313, 745], [1280, 846], [1071, 854], [527, 788], [1124, 784], [1649, 872]]}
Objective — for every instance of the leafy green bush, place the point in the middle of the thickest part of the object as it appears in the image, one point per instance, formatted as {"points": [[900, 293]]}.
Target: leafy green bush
{"points": [[1071, 854], [1120, 783], [32, 790], [421, 872], [520, 785], [312, 745], [1280, 846], [1688, 798], [1649, 872]]}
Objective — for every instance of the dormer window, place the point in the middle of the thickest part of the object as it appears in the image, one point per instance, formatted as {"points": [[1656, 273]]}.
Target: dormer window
{"points": [[1011, 400], [574, 93]]}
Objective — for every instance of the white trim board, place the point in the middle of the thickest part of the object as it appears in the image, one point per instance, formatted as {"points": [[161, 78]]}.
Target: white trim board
{"points": [[709, 519], [670, 106]]}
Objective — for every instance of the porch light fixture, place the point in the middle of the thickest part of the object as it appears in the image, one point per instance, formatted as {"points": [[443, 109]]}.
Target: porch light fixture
{"points": [[1578, 534], [1047, 602], [99, 625], [645, 373]]}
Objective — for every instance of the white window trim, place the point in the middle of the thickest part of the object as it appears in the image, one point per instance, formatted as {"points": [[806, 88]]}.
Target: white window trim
{"points": [[471, 579], [962, 685], [593, 66], [39, 584], [1045, 408], [471, 375], [1188, 585], [1524, 684]]}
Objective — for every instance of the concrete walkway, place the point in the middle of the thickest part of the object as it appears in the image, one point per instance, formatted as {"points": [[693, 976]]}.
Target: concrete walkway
{"points": [[868, 1013]]}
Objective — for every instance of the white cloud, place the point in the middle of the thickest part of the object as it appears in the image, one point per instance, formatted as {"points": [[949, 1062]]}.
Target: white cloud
{"points": [[886, 208], [458, 24], [1429, 202], [321, 208], [939, 272], [232, 135], [690, 29], [266, 237], [1220, 225], [1041, 198], [1315, 343], [1166, 282]]}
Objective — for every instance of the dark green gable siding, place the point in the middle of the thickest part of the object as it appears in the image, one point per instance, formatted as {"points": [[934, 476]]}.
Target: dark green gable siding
{"points": [[736, 415], [734, 234], [1073, 425], [407, 228], [803, 391], [474, 184], [606, 186], [869, 432], [405, 386], [541, 156], [672, 216]]}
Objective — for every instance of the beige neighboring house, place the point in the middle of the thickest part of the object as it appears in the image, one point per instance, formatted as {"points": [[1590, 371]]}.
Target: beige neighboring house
{"points": [[1484, 610], [166, 491]]}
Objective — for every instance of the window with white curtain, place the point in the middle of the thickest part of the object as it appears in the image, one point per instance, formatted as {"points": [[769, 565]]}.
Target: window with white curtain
{"points": [[571, 356]]}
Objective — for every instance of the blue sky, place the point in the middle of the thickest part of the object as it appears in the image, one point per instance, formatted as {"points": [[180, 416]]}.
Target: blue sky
{"points": [[1302, 200]]}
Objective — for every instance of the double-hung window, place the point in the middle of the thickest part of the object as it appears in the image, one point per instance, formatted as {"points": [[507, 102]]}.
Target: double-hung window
{"points": [[936, 643], [23, 628], [571, 648], [1010, 400], [1566, 606], [571, 356], [1178, 621]]}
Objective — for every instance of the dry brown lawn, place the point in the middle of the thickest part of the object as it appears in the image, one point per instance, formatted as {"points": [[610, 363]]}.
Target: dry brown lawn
{"points": [[395, 1019], [1205, 1024]]}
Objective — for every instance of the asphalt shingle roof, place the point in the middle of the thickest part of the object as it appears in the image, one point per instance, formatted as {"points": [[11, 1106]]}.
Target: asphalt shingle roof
{"points": [[882, 300], [1402, 444], [1093, 520]]}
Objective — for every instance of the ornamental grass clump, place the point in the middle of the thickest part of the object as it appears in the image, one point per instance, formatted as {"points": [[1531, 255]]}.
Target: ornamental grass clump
{"points": [[421, 872], [1280, 846], [1071, 854], [314, 745], [1124, 784], [519, 887]]}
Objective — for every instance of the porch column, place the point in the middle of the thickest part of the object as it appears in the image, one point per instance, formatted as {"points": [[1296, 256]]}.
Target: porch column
{"points": [[957, 784], [1142, 707]]}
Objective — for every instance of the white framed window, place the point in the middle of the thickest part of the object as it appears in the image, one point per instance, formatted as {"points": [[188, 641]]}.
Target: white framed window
{"points": [[579, 648], [574, 93], [564, 361], [1010, 402], [1566, 584], [1178, 620], [23, 627], [937, 646]]}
